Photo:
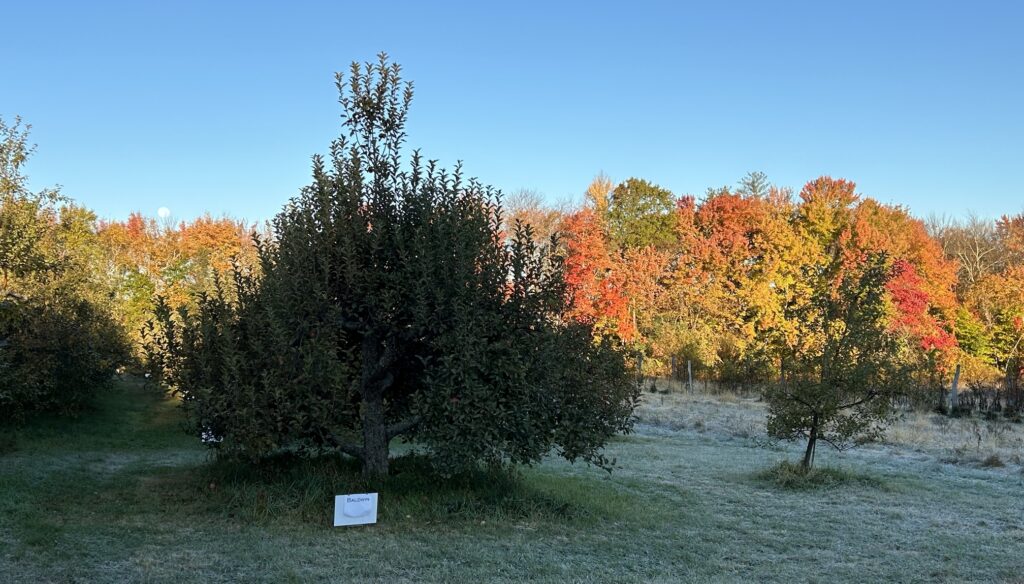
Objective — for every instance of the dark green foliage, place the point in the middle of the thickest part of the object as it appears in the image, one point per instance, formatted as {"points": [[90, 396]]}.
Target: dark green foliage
{"points": [[58, 340], [391, 304], [642, 214], [844, 366], [58, 352]]}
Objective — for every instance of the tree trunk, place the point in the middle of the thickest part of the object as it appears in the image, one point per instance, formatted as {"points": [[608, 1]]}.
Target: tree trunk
{"points": [[375, 438], [812, 439], [379, 355]]}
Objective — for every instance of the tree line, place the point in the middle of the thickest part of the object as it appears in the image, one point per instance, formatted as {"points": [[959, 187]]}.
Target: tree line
{"points": [[716, 281], [833, 304], [393, 298]]}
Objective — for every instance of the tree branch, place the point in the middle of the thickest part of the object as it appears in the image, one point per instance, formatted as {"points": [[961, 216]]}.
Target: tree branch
{"points": [[346, 447], [872, 394], [838, 446], [793, 397], [351, 450], [402, 427]]}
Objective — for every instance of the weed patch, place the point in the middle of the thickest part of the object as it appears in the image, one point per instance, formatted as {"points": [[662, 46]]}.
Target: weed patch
{"points": [[793, 476], [993, 461]]}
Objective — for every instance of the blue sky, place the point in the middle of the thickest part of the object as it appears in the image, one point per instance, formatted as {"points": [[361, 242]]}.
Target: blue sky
{"points": [[217, 106]]}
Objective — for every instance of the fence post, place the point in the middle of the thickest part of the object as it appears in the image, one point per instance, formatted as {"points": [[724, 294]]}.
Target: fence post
{"points": [[689, 377], [640, 368], [953, 399]]}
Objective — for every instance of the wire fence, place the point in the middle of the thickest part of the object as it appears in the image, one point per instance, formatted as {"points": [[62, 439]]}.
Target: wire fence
{"points": [[1005, 399]]}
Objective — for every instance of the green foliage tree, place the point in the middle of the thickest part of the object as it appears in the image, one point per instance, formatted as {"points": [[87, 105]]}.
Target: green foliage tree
{"points": [[843, 364], [754, 184], [58, 341], [641, 214], [23, 214], [391, 304]]}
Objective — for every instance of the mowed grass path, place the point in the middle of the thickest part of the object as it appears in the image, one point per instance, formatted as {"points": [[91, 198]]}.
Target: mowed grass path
{"points": [[123, 495]]}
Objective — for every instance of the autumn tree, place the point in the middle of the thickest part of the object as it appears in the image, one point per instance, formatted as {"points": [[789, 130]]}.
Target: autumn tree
{"points": [[738, 256], [595, 276], [130, 247], [619, 251], [844, 364], [852, 320], [993, 316], [990, 313], [922, 289], [1010, 230], [615, 281], [599, 193], [391, 304], [527, 207], [177, 262]]}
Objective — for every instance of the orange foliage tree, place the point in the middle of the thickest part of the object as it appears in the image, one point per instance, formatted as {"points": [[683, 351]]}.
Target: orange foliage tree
{"points": [[176, 261]]}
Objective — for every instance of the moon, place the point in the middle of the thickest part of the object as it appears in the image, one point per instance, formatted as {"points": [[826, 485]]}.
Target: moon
{"points": [[163, 212]]}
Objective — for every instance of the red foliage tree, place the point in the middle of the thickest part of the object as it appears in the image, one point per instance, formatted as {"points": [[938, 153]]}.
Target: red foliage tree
{"points": [[595, 276]]}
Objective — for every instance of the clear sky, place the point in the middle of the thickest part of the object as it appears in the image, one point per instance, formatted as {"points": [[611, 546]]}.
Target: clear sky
{"points": [[217, 106]]}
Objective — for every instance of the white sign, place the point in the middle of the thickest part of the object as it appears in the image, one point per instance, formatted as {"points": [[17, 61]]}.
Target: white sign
{"points": [[357, 509]]}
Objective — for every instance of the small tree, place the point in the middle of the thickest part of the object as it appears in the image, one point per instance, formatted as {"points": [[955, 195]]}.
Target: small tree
{"points": [[391, 304], [842, 364]]}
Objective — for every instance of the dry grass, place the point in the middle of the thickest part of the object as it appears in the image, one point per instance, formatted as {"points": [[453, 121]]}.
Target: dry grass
{"points": [[961, 440], [965, 440], [720, 414]]}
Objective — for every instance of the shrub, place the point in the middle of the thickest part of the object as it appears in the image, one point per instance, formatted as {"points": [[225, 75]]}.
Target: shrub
{"points": [[57, 353]]}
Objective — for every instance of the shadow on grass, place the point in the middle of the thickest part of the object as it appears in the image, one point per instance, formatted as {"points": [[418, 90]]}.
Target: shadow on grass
{"points": [[130, 415], [794, 477], [291, 491], [8, 441], [128, 462]]}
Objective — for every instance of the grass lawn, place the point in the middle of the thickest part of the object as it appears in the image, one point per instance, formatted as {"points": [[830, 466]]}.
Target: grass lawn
{"points": [[122, 494]]}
